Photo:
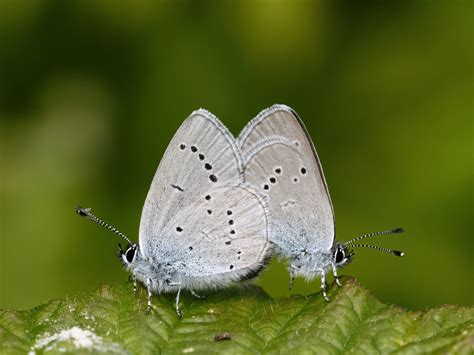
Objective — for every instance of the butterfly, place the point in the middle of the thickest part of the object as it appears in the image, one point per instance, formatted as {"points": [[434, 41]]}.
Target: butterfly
{"points": [[281, 161], [202, 227]]}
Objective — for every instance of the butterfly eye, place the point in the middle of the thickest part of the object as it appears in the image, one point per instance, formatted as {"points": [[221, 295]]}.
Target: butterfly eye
{"points": [[130, 253], [339, 255]]}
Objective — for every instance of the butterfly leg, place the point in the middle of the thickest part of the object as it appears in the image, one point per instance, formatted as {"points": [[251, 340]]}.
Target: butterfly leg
{"points": [[334, 271], [323, 285], [178, 312], [196, 295], [134, 284], [149, 285], [292, 276]]}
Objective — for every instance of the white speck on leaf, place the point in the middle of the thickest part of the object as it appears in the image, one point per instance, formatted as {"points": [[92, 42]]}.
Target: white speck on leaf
{"points": [[74, 338]]}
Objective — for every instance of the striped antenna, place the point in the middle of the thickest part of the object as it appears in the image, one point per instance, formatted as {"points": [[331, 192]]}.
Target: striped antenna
{"points": [[391, 231], [86, 212], [385, 250]]}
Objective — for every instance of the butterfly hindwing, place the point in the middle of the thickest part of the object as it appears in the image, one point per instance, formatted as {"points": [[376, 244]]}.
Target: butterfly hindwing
{"points": [[220, 238]]}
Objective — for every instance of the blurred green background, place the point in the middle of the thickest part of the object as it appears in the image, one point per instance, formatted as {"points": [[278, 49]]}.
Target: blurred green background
{"points": [[91, 92]]}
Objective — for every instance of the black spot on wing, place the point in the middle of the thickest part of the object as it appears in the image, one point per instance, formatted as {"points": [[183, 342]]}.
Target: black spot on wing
{"points": [[177, 187]]}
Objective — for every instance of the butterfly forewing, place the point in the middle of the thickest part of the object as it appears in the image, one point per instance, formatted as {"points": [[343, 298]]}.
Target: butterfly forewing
{"points": [[202, 156], [280, 161]]}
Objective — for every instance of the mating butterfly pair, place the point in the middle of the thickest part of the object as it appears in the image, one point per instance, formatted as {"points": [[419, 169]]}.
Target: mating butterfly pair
{"points": [[219, 208]]}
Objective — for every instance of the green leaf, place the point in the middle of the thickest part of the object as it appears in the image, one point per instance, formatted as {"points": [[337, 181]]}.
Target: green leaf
{"points": [[236, 321]]}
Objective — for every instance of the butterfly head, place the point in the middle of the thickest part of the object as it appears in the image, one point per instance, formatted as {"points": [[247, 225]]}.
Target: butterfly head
{"points": [[341, 255], [128, 256]]}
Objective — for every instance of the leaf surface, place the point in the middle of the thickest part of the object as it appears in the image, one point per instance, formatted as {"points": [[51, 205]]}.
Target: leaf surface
{"points": [[236, 321]]}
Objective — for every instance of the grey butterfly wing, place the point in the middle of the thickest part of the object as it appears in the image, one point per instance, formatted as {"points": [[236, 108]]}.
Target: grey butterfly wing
{"points": [[280, 160], [201, 156], [218, 240]]}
